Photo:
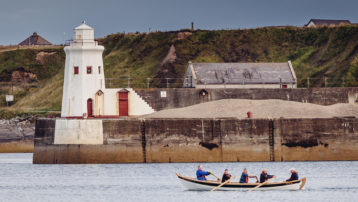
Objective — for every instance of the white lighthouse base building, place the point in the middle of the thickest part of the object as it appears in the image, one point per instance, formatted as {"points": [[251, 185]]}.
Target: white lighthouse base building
{"points": [[84, 92], [112, 104]]}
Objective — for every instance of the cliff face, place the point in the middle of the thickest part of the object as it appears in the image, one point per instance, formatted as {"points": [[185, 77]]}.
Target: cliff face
{"points": [[34, 64], [328, 56]]}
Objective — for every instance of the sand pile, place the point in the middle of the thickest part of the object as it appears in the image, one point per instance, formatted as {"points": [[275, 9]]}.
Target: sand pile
{"points": [[260, 108]]}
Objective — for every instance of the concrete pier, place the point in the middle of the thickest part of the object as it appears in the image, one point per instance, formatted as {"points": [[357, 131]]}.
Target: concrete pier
{"points": [[204, 140]]}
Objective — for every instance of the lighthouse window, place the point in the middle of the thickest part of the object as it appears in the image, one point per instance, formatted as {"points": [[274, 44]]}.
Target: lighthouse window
{"points": [[75, 70], [99, 69], [89, 70]]}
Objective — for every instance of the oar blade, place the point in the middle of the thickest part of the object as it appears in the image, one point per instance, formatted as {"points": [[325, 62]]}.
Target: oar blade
{"points": [[222, 184], [303, 182]]}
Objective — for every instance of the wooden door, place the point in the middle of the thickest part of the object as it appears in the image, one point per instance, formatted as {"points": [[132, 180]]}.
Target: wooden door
{"points": [[123, 103], [89, 108]]}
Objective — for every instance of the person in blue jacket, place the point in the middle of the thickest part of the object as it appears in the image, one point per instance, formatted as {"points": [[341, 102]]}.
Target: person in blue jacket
{"points": [[200, 174], [245, 177], [294, 175], [264, 176]]}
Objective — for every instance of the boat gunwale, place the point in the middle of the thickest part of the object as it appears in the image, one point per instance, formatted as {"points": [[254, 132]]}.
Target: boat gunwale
{"points": [[238, 184]]}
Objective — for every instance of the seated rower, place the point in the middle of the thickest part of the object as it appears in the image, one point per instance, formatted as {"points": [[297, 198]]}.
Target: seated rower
{"points": [[294, 175], [226, 176], [245, 177], [200, 174], [264, 176]]}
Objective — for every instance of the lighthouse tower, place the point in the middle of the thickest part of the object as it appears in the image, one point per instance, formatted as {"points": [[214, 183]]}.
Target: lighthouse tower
{"points": [[84, 75]]}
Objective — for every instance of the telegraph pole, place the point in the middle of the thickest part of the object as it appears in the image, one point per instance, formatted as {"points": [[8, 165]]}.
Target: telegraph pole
{"points": [[167, 82], [148, 82]]}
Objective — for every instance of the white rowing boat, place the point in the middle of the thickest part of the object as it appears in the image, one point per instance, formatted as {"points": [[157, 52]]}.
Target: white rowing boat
{"points": [[193, 184]]}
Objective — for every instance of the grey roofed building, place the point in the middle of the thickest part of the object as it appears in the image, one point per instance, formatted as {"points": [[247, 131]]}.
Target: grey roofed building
{"points": [[240, 75], [326, 22], [35, 40]]}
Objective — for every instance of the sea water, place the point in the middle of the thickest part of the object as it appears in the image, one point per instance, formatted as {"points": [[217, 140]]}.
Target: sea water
{"points": [[20, 180]]}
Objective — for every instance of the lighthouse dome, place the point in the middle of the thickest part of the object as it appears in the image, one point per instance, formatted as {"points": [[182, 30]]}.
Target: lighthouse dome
{"points": [[84, 33], [83, 26]]}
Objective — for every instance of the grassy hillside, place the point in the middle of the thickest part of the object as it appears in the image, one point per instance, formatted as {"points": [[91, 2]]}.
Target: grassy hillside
{"points": [[315, 53], [45, 65], [324, 54]]}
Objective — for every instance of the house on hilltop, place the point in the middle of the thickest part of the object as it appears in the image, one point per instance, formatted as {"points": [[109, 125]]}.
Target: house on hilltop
{"points": [[35, 40], [240, 75], [326, 23]]}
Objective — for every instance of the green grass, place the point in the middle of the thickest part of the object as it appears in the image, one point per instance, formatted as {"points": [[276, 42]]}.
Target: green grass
{"points": [[315, 53]]}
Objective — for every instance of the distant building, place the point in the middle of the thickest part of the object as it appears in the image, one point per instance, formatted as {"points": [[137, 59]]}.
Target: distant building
{"points": [[326, 23], [240, 75], [35, 40]]}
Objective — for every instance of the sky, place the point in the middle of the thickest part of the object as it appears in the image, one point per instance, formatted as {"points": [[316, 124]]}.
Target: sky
{"points": [[55, 19]]}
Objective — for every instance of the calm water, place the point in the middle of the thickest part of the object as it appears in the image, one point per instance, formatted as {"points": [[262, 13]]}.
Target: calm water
{"points": [[20, 180]]}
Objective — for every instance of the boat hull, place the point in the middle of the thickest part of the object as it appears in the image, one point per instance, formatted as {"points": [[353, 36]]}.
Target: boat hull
{"points": [[193, 184]]}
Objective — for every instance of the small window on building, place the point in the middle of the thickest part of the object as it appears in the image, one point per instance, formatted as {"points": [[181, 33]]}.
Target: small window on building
{"points": [[99, 69], [75, 70], [89, 70]]}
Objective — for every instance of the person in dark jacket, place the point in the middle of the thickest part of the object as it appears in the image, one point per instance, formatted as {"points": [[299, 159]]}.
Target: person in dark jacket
{"points": [[294, 175], [200, 174], [264, 176], [245, 177], [226, 176]]}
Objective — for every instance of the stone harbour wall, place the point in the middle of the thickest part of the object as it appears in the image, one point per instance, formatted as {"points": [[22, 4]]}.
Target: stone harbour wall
{"points": [[161, 98], [205, 140], [16, 135]]}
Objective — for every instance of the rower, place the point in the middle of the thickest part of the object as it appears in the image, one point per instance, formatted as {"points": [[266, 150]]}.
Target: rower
{"points": [[245, 177], [200, 174], [264, 176], [294, 175], [226, 176]]}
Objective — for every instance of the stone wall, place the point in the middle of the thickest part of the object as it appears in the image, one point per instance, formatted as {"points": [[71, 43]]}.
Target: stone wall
{"points": [[316, 139], [183, 97], [205, 140], [16, 135]]}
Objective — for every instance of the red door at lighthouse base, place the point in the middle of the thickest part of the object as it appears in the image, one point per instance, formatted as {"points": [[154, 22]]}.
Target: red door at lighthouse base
{"points": [[123, 102], [89, 108]]}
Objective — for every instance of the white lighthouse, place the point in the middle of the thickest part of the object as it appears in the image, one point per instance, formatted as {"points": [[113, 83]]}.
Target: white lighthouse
{"points": [[84, 91], [86, 100], [84, 75]]}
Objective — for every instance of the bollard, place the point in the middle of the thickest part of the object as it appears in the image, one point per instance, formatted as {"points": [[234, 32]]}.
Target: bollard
{"points": [[249, 115]]}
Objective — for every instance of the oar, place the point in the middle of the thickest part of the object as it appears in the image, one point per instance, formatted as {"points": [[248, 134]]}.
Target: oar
{"points": [[215, 176], [222, 184], [303, 183], [259, 185]]}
